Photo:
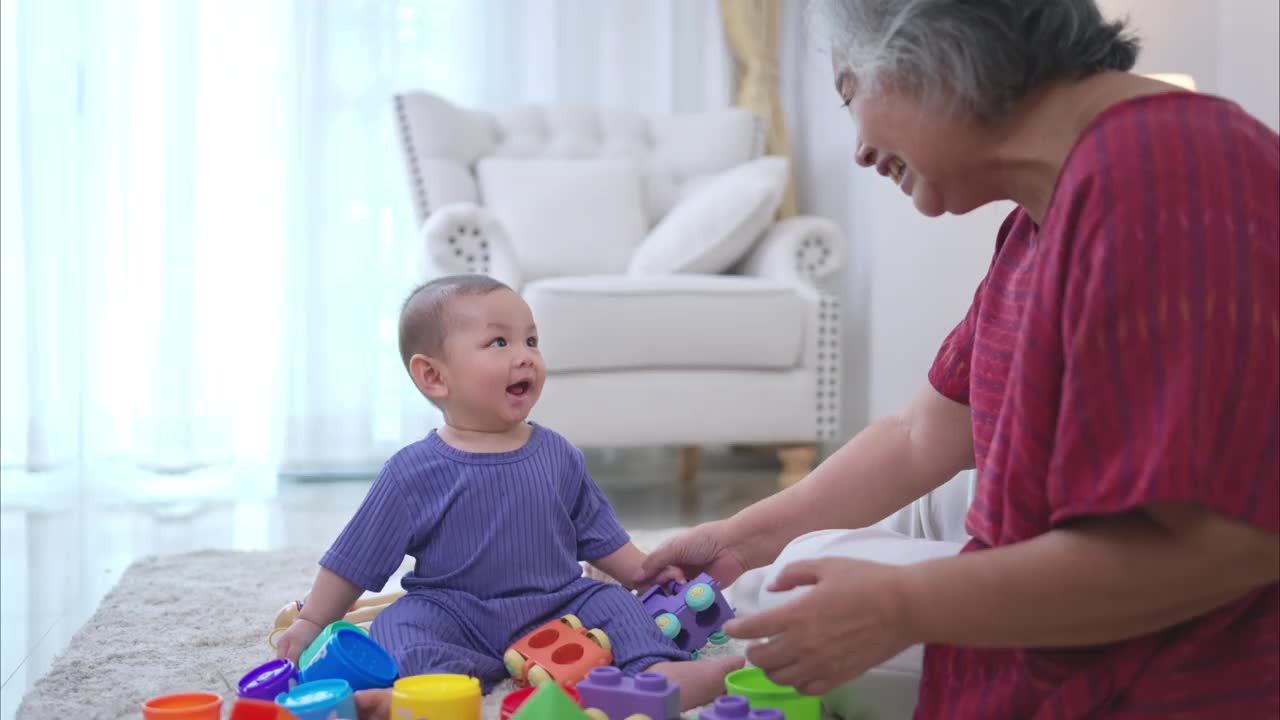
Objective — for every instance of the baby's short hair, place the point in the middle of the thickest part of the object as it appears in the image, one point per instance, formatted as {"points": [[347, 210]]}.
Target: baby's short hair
{"points": [[424, 317]]}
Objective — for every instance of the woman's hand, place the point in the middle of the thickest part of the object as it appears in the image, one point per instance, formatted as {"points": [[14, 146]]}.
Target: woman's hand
{"points": [[705, 548], [845, 625]]}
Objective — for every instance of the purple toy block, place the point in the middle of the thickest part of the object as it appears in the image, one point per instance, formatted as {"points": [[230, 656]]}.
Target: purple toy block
{"points": [[606, 689], [688, 627], [736, 707]]}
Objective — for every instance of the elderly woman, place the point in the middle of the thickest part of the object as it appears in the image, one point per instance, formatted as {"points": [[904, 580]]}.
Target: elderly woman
{"points": [[1115, 383]]}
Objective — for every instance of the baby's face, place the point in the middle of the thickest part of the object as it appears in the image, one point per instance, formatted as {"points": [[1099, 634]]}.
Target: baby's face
{"points": [[494, 369]]}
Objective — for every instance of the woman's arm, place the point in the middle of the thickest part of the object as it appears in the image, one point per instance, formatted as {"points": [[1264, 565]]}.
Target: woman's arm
{"points": [[882, 469], [1095, 581]]}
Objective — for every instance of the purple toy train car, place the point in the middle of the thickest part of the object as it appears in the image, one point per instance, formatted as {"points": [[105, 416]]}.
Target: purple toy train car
{"points": [[690, 614]]}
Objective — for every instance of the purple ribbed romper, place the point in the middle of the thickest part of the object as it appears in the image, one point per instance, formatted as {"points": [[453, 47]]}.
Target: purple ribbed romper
{"points": [[497, 538]]}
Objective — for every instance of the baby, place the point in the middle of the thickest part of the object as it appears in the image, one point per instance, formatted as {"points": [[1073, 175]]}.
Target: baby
{"points": [[496, 511]]}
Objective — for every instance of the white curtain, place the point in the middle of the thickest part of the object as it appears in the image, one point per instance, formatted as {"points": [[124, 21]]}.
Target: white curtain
{"points": [[206, 233]]}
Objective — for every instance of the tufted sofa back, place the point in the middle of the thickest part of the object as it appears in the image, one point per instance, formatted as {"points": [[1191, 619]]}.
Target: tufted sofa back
{"points": [[443, 142]]}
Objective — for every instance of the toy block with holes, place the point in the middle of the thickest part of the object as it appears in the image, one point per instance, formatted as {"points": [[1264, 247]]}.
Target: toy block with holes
{"points": [[736, 707], [648, 694], [561, 651], [691, 614]]}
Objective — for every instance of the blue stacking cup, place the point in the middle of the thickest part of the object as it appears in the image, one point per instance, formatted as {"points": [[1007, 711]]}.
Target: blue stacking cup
{"points": [[352, 656], [320, 700]]}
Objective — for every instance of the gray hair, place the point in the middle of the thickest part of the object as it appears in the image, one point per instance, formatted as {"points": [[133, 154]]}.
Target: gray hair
{"points": [[981, 56], [424, 317]]}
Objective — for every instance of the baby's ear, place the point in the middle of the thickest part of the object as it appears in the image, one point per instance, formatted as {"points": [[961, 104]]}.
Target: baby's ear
{"points": [[428, 376]]}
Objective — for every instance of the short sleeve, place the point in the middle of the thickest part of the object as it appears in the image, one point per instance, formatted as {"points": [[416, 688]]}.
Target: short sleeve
{"points": [[376, 539], [1169, 386], [949, 373], [599, 532]]}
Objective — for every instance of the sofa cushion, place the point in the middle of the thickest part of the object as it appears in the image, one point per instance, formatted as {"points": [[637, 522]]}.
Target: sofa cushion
{"points": [[566, 217], [674, 321], [717, 224]]}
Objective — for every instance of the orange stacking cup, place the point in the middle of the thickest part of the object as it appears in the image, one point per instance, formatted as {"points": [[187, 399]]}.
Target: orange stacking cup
{"points": [[183, 706]]}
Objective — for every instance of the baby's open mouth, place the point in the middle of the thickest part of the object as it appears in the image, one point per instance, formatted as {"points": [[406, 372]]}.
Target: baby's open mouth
{"points": [[519, 388]]}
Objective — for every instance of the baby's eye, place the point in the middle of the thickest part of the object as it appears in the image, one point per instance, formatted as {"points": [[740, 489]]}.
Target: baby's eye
{"points": [[498, 342], [531, 342]]}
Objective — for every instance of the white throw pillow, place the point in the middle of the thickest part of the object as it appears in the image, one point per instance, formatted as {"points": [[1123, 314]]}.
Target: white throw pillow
{"points": [[712, 228], [566, 217]]}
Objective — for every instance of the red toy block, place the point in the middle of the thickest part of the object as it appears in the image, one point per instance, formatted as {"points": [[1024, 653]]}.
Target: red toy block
{"points": [[514, 700], [648, 694], [560, 651]]}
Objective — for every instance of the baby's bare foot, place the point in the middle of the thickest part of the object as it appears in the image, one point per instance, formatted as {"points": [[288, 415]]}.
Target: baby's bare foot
{"points": [[374, 704], [700, 681]]}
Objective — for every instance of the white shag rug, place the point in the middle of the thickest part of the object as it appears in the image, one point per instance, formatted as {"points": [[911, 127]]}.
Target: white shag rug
{"points": [[195, 622]]}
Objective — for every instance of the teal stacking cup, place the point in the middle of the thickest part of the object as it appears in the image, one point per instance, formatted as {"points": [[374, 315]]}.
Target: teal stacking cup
{"points": [[352, 656], [305, 658], [320, 700]]}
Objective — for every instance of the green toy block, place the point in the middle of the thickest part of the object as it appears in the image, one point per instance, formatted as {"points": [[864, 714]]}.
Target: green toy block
{"points": [[549, 702]]}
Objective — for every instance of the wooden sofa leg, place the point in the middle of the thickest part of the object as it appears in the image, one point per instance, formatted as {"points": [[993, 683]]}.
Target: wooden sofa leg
{"points": [[797, 461], [687, 467]]}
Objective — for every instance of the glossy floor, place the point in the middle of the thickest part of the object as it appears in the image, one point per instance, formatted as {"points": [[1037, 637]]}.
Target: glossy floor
{"points": [[66, 538]]}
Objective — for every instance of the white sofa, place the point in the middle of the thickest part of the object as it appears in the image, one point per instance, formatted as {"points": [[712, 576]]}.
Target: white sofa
{"points": [[652, 334]]}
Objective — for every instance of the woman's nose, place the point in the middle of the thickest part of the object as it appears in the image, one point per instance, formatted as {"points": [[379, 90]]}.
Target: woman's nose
{"points": [[865, 155]]}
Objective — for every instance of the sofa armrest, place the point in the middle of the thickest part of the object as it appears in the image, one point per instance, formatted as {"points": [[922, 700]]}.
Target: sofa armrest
{"points": [[802, 250], [466, 238]]}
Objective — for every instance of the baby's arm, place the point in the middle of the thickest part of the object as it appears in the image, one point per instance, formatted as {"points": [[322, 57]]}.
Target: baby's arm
{"points": [[331, 596], [623, 563]]}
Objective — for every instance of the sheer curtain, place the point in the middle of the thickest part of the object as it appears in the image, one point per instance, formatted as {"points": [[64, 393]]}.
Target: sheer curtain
{"points": [[206, 233]]}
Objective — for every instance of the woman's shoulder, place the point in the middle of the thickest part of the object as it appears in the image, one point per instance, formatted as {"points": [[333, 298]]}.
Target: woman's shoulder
{"points": [[1199, 158], [1158, 135]]}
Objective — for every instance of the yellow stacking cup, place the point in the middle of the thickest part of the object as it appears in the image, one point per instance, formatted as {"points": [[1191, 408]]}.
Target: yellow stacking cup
{"points": [[438, 697]]}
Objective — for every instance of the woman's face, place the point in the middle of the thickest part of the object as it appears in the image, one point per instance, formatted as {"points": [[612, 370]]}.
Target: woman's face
{"points": [[934, 158]]}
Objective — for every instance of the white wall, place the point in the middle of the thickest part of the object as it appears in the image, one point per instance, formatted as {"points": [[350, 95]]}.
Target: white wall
{"points": [[1249, 56], [910, 278]]}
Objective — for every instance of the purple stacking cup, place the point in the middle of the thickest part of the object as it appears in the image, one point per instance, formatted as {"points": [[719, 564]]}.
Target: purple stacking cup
{"points": [[268, 680]]}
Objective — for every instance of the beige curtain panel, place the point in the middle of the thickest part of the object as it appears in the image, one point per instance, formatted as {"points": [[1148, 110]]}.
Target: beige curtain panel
{"points": [[752, 28]]}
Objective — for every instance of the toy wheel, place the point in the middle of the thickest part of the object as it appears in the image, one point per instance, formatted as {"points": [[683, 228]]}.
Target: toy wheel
{"points": [[718, 638], [539, 676], [700, 597], [669, 624], [572, 621], [595, 714], [515, 663], [597, 635]]}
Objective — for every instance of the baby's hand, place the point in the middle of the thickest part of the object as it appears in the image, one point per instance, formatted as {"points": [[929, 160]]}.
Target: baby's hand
{"points": [[666, 575], [296, 639]]}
